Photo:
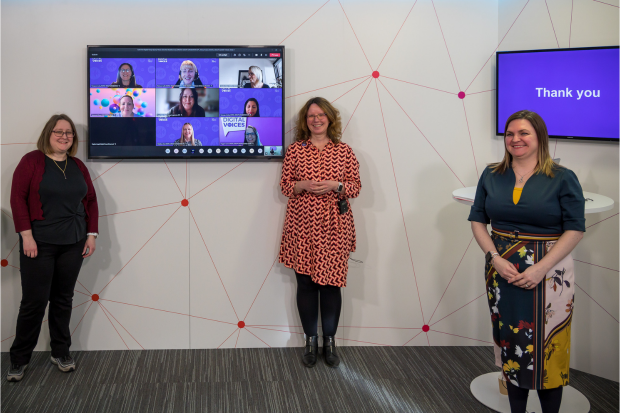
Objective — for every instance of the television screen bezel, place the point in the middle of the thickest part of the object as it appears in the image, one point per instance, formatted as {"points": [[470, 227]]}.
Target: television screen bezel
{"points": [[212, 158], [570, 138]]}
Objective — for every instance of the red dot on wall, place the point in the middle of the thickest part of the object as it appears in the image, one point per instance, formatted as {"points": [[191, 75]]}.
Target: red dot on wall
{"points": [[240, 324], [425, 328], [375, 74], [461, 95], [185, 202], [4, 263], [95, 297]]}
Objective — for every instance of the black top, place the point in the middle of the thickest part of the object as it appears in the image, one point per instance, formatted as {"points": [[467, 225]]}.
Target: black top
{"points": [[61, 199], [547, 205], [249, 86]]}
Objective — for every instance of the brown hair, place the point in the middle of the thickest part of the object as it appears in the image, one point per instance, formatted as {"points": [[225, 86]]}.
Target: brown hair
{"points": [[43, 144], [334, 130], [545, 164]]}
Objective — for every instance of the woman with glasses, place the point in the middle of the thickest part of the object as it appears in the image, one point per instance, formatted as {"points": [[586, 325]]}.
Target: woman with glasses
{"points": [[256, 78], [188, 105], [55, 212], [125, 77], [251, 137], [536, 210], [319, 174]]}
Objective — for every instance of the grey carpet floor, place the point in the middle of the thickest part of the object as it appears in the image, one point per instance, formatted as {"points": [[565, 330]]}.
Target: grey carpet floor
{"points": [[371, 379]]}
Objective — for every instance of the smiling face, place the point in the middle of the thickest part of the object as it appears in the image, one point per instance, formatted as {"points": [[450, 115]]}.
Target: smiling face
{"points": [[250, 135], [188, 74], [250, 108], [521, 139], [188, 131], [126, 105], [125, 73], [187, 100], [60, 145], [317, 120]]}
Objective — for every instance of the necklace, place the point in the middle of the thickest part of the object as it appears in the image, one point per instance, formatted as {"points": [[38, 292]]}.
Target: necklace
{"points": [[522, 176], [63, 170]]}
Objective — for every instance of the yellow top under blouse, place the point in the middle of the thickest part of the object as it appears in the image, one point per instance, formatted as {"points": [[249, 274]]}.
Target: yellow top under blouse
{"points": [[516, 195]]}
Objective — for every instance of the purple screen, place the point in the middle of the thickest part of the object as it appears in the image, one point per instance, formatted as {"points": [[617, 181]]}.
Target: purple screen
{"points": [[168, 71], [269, 131], [232, 101], [575, 91], [169, 129], [103, 71]]}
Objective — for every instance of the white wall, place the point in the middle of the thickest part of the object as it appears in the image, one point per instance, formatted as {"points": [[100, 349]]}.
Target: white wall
{"points": [[416, 143]]}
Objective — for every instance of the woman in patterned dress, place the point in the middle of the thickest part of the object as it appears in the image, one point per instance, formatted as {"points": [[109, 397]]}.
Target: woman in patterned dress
{"points": [[319, 173], [529, 271]]}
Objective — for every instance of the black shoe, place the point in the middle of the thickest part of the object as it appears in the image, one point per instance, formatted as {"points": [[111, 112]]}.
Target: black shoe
{"points": [[329, 352], [311, 351], [16, 372], [64, 363]]}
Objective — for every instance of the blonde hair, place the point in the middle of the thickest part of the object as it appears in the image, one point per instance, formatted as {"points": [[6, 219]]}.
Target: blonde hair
{"points": [[182, 135], [334, 130], [257, 72], [43, 144], [188, 63], [545, 164]]}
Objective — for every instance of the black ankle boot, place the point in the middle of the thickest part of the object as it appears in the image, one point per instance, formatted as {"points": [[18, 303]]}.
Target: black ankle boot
{"points": [[311, 351], [329, 352]]}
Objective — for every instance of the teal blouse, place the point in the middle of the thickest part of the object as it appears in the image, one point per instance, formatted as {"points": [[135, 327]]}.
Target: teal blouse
{"points": [[547, 205]]}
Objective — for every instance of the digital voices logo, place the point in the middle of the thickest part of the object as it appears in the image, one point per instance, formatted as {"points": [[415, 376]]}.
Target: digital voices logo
{"points": [[567, 93]]}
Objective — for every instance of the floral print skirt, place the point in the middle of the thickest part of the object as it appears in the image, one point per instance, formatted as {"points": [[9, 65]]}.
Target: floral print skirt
{"points": [[531, 328]]}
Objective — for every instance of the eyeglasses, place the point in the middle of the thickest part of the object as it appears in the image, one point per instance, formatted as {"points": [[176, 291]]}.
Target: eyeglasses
{"points": [[125, 70], [250, 134], [187, 97], [320, 116], [59, 133]]}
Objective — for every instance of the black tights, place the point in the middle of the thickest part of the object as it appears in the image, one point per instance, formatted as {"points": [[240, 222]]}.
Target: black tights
{"points": [[550, 399], [308, 295]]}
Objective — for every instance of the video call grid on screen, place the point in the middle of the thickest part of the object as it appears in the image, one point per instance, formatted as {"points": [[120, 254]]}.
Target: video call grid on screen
{"points": [[574, 90], [163, 102]]}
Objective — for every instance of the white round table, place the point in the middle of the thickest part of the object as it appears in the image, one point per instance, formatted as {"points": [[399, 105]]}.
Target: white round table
{"points": [[485, 388]]}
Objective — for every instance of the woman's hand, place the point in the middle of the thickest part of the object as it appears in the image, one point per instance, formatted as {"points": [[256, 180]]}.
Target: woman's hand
{"points": [[323, 187], [29, 244], [301, 186], [89, 246], [505, 268], [529, 278]]}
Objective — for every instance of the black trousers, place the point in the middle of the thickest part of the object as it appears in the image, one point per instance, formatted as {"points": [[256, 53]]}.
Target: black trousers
{"points": [[309, 295], [50, 277]]}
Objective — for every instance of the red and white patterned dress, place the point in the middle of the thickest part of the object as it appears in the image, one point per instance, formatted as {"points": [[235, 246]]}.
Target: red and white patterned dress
{"points": [[317, 239]]}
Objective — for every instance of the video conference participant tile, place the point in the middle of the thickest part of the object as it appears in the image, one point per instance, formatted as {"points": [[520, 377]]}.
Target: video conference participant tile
{"points": [[122, 132], [116, 102], [234, 102], [234, 72], [188, 102], [116, 72], [191, 72], [170, 131], [237, 130]]}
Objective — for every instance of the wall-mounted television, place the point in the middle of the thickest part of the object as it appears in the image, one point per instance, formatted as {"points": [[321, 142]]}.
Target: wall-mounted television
{"points": [[203, 102], [574, 90]]}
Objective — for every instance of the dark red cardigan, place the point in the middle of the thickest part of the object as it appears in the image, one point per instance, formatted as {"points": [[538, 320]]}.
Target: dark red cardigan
{"points": [[25, 198]]}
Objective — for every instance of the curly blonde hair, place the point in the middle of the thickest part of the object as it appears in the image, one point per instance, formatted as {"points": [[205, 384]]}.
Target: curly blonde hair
{"points": [[334, 130]]}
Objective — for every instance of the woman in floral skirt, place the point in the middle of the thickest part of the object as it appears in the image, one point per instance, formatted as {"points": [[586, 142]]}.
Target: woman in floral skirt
{"points": [[536, 209]]}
